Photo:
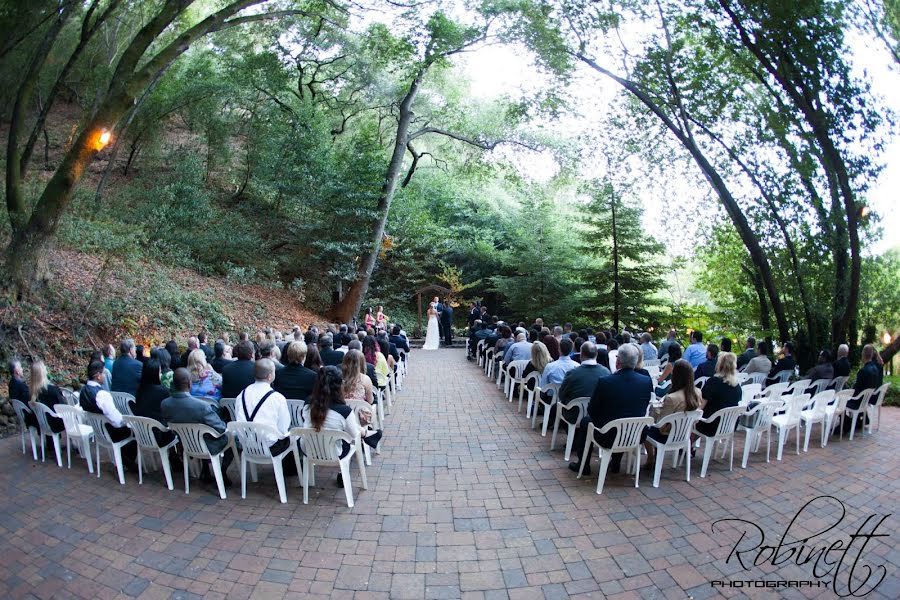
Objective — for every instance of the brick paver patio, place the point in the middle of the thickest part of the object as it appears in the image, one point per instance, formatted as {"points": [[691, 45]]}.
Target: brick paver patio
{"points": [[465, 501]]}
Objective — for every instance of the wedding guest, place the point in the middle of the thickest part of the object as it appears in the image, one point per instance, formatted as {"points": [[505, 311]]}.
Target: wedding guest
{"points": [[581, 381], [201, 337], [870, 376], [539, 360], [326, 409], [842, 364], [823, 369], [295, 381], [749, 354], [259, 403], [696, 351], [760, 363], [552, 343], [18, 390], [205, 382], [647, 347], [150, 395], [721, 391], [330, 356], [725, 346], [127, 369], [219, 361], [94, 399], [240, 373], [682, 397], [313, 361], [46, 393], [674, 354], [109, 357], [96, 355], [708, 367], [787, 363]]}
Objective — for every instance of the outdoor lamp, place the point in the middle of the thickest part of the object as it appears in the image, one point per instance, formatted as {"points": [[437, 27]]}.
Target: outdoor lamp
{"points": [[101, 139]]}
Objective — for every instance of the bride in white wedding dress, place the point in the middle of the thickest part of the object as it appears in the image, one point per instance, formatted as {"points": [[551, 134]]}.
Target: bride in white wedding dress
{"points": [[433, 334]]}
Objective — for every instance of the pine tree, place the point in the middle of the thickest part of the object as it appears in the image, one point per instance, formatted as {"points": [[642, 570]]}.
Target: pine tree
{"points": [[624, 270]]}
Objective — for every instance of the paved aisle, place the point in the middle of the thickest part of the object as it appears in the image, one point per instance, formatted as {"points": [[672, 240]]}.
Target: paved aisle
{"points": [[465, 501]]}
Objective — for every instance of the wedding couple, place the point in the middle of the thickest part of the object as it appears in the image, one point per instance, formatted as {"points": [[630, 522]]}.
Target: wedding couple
{"points": [[440, 321]]}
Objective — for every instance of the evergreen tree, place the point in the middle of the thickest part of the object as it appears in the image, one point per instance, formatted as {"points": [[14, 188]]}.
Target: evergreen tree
{"points": [[625, 272]]}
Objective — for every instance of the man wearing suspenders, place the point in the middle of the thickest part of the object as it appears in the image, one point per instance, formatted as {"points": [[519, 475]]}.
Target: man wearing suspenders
{"points": [[259, 403]]}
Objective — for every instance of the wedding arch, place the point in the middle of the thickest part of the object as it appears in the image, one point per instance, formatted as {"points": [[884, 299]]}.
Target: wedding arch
{"points": [[439, 290]]}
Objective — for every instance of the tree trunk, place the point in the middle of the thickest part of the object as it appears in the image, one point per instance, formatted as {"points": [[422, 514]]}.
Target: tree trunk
{"points": [[350, 304], [615, 253], [888, 353], [765, 320]]}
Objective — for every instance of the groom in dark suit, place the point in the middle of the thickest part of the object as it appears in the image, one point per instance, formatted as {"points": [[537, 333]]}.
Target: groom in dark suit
{"points": [[439, 307], [447, 323]]}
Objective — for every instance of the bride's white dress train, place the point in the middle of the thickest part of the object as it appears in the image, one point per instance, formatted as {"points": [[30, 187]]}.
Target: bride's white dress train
{"points": [[432, 335]]}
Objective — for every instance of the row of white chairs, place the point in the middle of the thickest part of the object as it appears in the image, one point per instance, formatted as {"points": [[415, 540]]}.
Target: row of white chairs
{"points": [[319, 448], [783, 406]]}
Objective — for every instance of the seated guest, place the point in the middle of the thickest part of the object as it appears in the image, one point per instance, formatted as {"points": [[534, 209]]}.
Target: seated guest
{"points": [[95, 356], [623, 394], [343, 337], [201, 338], [869, 377], [370, 368], [749, 354], [682, 397], [94, 399], [664, 347], [391, 354], [356, 383], [725, 345], [295, 381], [540, 358], [581, 381], [109, 358], [823, 369], [647, 346], [174, 354], [552, 343], [326, 409], [639, 367], [842, 364], [268, 349], [398, 340], [259, 403], [626, 337], [330, 356], [721, 391], [787, 363], [556, 371], [181, 407], [127, 369], [695, 353], [46, 393], [520, 350], [313, 361], [481, 332], [205, 382], [139, 353], [240, 373], [674, 353], [150, 396], [760, 363], [708, 368], [219, 361], [165, 366], [374, 357]]}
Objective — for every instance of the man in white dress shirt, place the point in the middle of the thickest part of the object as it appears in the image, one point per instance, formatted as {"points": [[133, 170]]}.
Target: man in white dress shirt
{"points": [[259, 403], [94, 399]]}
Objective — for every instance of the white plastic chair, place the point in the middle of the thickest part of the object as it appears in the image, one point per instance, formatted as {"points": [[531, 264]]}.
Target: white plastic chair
{"points": [[123, 401], [523, 390], [552, 390], [69, 396], [489, 362], [76, 430], [862, 409], [362, 405], [654, 362], [775, 391], [874, 409], [788, 420], [761, 416], [700, 382], [759, 378], [613, 356], [576, 403], [101, 436], [193, 444], [742, 377], [143, 428], [819, 385], [798, 387], [229, 406], [41, 412], [838, 383], [679, 440], [816, 412], [20, 409], [254, 440], [478, 349], [783, 376], [750, 391], [724, 434], [295, 407], [628, 439], [319, 450], [835, 413]]}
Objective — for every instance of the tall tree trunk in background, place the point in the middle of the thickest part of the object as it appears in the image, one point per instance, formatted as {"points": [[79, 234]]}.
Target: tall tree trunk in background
{"points": [[615, 251], [748, 237], [765, 320], [349, 306]]}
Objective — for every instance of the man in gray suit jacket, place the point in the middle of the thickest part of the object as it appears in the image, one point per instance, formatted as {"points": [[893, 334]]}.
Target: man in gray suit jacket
{"points": [[581, 381], [181, 407]]}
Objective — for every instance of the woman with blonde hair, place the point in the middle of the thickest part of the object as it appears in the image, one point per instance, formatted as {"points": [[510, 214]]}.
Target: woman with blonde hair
{"points": [[205, 382], [540, 358], [721, 391], [46, 393]]}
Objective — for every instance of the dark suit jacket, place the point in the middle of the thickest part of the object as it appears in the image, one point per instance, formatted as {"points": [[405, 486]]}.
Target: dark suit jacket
{"points": [[474, 315], [842, 367], [578, 383], [447, 315], [126, 375], [400, 341], [237, 376], [625, 393], [331, 358], [785, 364], [18, 390], [50, 397], [706, 369], [869, 377], [294, 382], [181, 407], [745, 357], [718, 395], [219, 363], [207, 351]]}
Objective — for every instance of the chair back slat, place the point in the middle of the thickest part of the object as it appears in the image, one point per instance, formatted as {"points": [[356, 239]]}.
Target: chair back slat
{"points": [[552, 389], [71, 416], [793, 405], [191, 437], [97, 423], [728, 418], [19, 407], [229, 405], [41, 411], [700, 382], [682, 424], [295, 407], [839, 383], [123, 400], [820, 385], [579, 403], [321, 446], [759, 378], [254, 438], [654, 362], [798, 387], [142, 429], [628, 431], [751, 391], [821, 400], [516, 368], [69, 396], [775, 391], [783, 376], [765, 412]]}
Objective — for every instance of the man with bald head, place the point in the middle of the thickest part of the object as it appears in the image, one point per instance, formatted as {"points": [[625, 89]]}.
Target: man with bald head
{"points": [[842, 364], [260, 403]]}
